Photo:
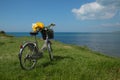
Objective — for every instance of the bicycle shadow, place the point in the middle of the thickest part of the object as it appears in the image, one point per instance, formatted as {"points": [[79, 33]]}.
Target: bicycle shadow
{"points": [[56, 60]]}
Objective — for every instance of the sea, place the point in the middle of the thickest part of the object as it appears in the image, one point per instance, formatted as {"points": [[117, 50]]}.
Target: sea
{"points": [[105, 43]]}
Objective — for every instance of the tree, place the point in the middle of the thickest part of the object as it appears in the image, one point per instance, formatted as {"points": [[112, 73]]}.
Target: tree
{"points": [[3, 32]]}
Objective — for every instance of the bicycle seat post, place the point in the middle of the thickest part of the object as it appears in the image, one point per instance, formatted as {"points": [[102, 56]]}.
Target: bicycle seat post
{"points": [[35, 37], [36, 42]]}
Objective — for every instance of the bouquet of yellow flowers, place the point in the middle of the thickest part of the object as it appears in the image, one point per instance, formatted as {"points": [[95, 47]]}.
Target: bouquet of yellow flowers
{"points": [[37, 26]]}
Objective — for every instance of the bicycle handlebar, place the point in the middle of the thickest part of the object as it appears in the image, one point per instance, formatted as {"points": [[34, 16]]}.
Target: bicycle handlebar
{"points": [[51, 25]]}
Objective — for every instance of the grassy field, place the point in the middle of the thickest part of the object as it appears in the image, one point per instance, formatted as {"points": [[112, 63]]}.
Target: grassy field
{"points": [[70, 63]]}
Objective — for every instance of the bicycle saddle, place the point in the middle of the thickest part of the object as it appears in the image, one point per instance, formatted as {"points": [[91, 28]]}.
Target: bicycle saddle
{"points": [[33, 33]]}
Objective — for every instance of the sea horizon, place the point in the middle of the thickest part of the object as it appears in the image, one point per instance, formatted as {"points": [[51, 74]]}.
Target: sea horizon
{"points": [[106, 42]]}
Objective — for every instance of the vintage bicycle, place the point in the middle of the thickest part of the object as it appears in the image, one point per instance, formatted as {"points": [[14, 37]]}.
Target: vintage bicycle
{"points": [[30, 51]]}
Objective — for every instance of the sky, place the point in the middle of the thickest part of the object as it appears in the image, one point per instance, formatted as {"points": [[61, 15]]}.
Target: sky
{"points": [[68, 15]]}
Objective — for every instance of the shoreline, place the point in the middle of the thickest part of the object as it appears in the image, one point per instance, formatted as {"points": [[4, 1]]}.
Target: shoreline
{"points": [[107, 47]]}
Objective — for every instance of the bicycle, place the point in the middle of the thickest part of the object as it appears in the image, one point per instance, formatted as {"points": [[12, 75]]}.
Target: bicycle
{"points": [[30, 52]]}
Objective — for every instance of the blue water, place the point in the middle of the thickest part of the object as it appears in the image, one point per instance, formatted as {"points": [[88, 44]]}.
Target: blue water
{"points": [[106, 43]]}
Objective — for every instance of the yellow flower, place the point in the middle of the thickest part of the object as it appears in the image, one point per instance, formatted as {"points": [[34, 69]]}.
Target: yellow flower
{"points": [[37, 25]]}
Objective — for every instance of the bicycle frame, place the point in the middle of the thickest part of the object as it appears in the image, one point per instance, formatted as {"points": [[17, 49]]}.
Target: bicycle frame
{"points": [[46, 41]]}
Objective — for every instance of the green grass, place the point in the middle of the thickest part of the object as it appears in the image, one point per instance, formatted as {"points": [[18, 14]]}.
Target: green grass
{"points": [[3, 35], [70, 63]]}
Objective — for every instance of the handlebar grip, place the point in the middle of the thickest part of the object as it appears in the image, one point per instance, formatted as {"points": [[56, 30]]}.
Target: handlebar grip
{"points": [[52, 24]]}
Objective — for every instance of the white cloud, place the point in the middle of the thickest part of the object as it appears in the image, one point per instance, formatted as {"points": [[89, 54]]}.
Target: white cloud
{"points": [[101, 9], [115, 3]]}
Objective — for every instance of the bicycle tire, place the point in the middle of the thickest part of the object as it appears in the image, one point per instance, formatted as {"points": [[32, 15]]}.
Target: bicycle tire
{"points": [[50, 51], [26, 62]]}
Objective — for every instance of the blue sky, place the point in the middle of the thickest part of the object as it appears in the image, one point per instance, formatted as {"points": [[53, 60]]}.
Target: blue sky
{"points": [[69, 16]]}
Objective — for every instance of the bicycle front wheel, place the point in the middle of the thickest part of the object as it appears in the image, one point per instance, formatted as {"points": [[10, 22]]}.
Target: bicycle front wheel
{"points": [[50, 51], [27, 62]]}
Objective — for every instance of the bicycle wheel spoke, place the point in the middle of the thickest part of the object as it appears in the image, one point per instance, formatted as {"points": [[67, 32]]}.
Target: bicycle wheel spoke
{"points": [[26, 60]]}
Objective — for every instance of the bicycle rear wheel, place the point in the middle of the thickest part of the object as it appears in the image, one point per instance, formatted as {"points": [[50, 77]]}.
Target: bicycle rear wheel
{"points": [[27, 62], [50, 51]]}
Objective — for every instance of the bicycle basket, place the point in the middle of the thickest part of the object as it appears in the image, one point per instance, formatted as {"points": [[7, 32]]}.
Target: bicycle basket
{"points": [[48, 32]]}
